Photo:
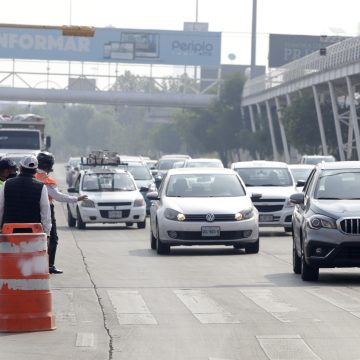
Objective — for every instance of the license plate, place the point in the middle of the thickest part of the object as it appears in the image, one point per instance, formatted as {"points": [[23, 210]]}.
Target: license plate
{"points": [[115, 214], [265, 218], [210, 231]]}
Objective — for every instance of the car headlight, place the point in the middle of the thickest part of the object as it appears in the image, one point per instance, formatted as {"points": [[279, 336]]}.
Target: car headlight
{"points": [[87, 203], [244, 214], [317, 222], [139, 202], [171, 214]]}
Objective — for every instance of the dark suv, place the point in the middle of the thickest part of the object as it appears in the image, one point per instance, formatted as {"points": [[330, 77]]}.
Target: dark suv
{"points": [[326, 219]]}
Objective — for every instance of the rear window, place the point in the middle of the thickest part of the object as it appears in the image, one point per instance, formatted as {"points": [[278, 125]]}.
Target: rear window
{"points": [[265, 176]]}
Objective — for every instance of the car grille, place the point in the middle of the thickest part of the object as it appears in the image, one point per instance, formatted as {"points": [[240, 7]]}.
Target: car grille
{"points": [[349, 252], [196, 235], [202, 217], [114, 203], [268, 208], [350, 226], [105, 213]]}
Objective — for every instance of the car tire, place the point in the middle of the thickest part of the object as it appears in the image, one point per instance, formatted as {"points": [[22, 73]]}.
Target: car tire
{"points": [[81, 225], [129, 224], [141, 225], [288, 229], [308, 273], [296, 260], [70, 219], [252, 248], [161, 248]]}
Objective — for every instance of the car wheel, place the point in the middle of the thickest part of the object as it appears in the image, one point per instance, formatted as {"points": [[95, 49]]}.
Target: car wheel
{"points": [[80, 224], [71, 221], [252, 248], [288, 229], [308, 273], [141, 225], [161, 248], [296, 260], [129, 224]]}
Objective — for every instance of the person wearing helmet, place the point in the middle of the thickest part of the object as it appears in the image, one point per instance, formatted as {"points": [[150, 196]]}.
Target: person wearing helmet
{"points": [[46, 162], [8, 169]]}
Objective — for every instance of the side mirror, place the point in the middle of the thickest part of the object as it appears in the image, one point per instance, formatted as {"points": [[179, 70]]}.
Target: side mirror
{"points": [[144, 189], [153, 195], [154, 171], [48, 142], [297, 198], [255, 196], [300, 183], [71, 190]]}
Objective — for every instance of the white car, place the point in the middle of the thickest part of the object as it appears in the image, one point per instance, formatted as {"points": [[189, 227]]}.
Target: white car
{"points": [[300, 172], [203, 162], [113, 197], [273, 180], [203, 206]]}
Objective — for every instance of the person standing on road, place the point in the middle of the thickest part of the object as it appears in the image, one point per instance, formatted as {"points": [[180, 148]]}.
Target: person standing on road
{"points": [[23, 199], [46, 162], [8, 169]]}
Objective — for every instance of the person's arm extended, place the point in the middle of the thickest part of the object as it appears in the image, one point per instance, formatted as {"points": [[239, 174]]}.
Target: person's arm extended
{"points": [[54, 192], [45, 211]]}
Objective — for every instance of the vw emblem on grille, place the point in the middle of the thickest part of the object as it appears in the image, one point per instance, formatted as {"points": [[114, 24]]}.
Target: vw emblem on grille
{"points": [[210, 217]]}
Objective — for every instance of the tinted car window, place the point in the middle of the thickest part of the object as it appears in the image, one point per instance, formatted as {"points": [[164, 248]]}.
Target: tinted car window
{"points": [[107, 182], [140, 172], [265, 176]]}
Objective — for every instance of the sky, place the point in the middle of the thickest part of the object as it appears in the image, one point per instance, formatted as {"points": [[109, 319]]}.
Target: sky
{"points": [[231, 17]]}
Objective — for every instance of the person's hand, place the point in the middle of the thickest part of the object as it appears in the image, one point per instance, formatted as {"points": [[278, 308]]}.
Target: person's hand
{"points": [[82, 197]]}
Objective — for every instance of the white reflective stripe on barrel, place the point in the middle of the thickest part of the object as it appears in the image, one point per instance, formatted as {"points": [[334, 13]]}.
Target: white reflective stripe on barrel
{"points": [[40, 244], [28, 284]]}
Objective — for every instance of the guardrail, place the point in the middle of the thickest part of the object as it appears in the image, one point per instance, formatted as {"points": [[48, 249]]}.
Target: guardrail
{"points": [[337, 55]]}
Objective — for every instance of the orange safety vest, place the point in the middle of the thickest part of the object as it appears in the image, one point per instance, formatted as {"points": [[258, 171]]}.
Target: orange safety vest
{"points": [[44, 178]]}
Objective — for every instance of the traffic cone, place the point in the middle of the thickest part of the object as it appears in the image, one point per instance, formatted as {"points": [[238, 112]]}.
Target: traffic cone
{"points": [[25, 296]]}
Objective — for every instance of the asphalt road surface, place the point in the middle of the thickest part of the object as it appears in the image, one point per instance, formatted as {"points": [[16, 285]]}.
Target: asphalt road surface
{"points": [[118, 299]]}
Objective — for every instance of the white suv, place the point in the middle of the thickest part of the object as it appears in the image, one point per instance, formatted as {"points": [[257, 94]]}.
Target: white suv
{"points": [[273, 180]]}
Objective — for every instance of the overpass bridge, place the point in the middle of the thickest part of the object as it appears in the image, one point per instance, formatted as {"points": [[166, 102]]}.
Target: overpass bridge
{"points": [[333, 75], [97, 83]]}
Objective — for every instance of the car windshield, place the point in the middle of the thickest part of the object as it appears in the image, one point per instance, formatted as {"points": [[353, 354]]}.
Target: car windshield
{"points": [[204, 185], [108, 182], [167, 164], [338, 185], [139, 172], [265, 176], [317, 159], [300, 174]]}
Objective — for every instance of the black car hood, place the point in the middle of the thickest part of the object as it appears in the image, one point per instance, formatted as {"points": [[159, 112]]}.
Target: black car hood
{"points": [[336, 208]]}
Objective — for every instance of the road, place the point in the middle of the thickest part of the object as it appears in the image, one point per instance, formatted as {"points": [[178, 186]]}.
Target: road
{"points": [[117, 300]]}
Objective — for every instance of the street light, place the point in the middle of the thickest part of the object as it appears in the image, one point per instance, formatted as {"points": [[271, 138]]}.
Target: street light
{"points": [[253, 40]]}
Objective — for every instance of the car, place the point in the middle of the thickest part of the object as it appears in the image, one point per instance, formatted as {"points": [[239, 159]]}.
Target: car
{"points": [[326, 220], [315, 159], [300, 173], [144, 180], [113, 197], [273, 180], [203, 206], [203, 162], [72, 167]]}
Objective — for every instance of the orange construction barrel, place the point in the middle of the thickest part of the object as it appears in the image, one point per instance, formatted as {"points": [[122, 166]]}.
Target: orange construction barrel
{"points": [[25, 296]]}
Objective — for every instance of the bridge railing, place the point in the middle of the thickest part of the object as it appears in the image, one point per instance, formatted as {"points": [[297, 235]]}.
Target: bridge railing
{"points": [[105, 77], [342, 53]]}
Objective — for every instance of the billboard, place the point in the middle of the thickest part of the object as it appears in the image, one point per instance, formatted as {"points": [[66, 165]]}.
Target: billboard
{"points": [[286, 48], [113, 45]]}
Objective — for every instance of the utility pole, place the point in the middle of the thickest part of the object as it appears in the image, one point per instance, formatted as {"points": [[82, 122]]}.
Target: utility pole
{"points": [[253, 40]]}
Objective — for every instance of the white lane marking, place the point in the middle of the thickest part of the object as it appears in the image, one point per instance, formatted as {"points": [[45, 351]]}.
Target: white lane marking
{"points": [[85, 339], [206, 310], [345, 299], [285, 347], [29, 284], [130, 308], [267, 301]]}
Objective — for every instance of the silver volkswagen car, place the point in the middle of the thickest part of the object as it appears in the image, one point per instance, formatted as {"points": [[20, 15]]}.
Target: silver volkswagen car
{"points": [[203, 206]]}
